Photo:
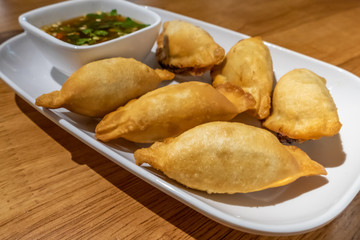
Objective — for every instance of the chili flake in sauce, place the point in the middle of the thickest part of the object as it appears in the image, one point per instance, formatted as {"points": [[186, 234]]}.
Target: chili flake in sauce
{"points": [[93, 28]]}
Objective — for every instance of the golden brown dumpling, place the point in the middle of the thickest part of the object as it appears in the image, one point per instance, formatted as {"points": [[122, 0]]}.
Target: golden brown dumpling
{"points": [[185, 48], [102, 86], [248, 65], [228, 157], [303, 108], [166, 112]]}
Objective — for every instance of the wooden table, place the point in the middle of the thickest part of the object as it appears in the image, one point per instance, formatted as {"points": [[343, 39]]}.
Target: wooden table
{"points": [[52, 186]]}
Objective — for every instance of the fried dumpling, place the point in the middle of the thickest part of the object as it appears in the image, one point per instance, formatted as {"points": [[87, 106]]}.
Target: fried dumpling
{"points": [[166, 112], [187, 49], [303, 108], [228, 157], [102, 86], [248, 65]]}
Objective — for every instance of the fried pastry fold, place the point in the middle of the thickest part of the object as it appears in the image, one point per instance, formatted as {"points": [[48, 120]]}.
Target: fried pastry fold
{"points": [[248, 65], [187, 49], [228, 157], [303, 108], [100, 87], [166, 112]]}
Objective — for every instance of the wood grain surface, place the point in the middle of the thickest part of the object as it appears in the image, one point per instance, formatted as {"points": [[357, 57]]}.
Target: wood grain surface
{"points": [[52, 186]]}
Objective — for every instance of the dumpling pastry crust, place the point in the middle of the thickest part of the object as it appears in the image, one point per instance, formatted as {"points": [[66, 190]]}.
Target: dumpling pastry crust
{"points": [[102, 86], [248, 65], [166, 112], [228, 157], [241, 99], [303, 108], [187, 49]]}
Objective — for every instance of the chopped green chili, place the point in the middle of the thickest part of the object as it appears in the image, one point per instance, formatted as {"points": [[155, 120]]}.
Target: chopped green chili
{"points": [[93, 28]]}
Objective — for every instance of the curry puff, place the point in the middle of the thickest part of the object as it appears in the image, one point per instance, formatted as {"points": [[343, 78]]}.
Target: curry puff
{"points": [[303, 108], [248, 65], [187, 49], [166, 112], [100, 87], [228, 157]]}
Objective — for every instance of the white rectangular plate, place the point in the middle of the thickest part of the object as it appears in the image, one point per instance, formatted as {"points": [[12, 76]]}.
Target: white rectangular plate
{"points": [[304, 205]]}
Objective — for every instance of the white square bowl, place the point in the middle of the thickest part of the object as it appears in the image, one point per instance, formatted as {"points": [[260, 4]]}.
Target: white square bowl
{"points": [[67, 57]]}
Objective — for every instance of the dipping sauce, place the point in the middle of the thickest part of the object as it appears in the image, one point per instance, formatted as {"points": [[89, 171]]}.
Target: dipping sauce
{"points": [[93, 28]]}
